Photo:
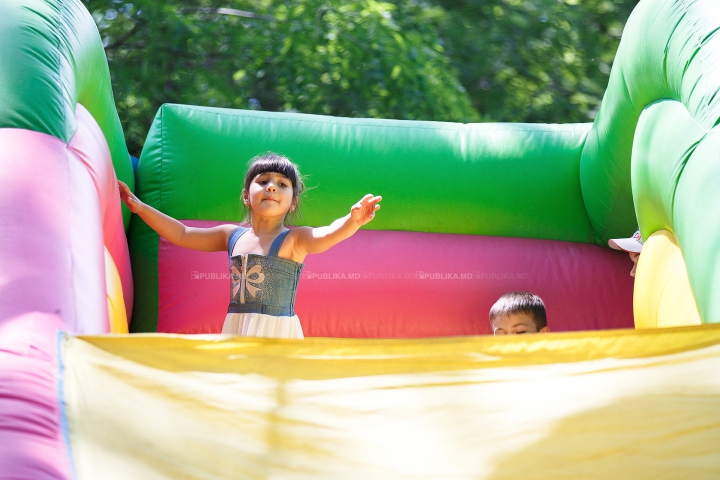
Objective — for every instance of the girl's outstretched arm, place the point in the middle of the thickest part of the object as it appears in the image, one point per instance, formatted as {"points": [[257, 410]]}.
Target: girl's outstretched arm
{"points": [[205, 239], [317, 240]]}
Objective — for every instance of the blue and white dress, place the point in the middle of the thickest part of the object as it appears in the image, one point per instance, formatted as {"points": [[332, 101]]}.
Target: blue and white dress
{"points": [[262, 292]]}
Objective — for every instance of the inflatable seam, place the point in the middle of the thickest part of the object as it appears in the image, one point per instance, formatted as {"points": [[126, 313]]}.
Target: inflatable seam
{"points": [[621, 190], [64, 428], [699, 44], [689, 154], [436, 125], [162, 158], [74, 317], [57, 25], [70, 100]]}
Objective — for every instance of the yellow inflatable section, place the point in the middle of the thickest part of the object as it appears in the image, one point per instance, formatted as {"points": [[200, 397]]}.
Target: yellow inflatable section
{"points": [[115, 300], [662, 296], [628, 404]]}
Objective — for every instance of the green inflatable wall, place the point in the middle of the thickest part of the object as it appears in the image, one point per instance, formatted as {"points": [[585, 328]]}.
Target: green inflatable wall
{"points": [[565, 182], [661, 109], [515, 180]]}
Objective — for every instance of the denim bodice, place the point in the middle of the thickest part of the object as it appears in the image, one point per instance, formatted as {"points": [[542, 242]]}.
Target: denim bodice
{"points": [[262, 283]]}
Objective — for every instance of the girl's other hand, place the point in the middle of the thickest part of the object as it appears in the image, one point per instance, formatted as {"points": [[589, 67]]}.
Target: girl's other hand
{"points": [[132, 202], [364, 211]]}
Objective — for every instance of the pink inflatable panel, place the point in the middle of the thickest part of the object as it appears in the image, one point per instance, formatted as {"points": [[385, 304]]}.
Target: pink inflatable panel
{"points": [[36, 258], [50, 226], [90, 147], [412, 284], [59, 206], [31, 437]]}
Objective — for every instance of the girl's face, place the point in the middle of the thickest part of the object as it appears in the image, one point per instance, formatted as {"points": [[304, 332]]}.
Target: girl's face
{"points": [[270, 195]]}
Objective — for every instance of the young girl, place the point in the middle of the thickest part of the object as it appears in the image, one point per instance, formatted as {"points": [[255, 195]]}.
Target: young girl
{"points": [[265, 259]]}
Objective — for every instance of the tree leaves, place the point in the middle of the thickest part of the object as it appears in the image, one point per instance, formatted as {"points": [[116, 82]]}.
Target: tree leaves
{"points": [[335, 57], [534, 60], [452, 60]]}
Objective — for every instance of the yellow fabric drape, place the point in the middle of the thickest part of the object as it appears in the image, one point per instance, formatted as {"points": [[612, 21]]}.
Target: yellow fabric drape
{"points": [[610, 404]]}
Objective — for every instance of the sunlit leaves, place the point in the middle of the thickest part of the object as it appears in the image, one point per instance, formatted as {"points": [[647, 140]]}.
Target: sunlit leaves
{"points": [[534, 60], [361, 58], [509, 60]]}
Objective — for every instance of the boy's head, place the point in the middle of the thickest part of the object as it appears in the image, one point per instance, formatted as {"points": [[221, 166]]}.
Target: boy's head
{"points": [[518, 312], [632, 245]]}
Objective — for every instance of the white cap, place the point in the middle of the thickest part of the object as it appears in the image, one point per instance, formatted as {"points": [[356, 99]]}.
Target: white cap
{"points": [[633, 244]]}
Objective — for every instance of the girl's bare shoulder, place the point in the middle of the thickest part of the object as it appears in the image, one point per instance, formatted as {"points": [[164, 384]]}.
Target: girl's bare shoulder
{"points": [[226, 229], [292, 246], [299, 234]]}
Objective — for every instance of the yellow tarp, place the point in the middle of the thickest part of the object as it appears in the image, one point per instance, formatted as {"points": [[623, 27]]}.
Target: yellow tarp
{"points": [[612, 404]]}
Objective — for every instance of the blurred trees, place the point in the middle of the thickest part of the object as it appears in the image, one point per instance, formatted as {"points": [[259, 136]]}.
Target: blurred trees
{"points": [[447, 60], [359, 58], [534, 60]]}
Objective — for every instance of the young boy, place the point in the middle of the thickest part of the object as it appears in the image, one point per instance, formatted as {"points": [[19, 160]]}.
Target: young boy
{"points": [[518, 312], [633, 246]]}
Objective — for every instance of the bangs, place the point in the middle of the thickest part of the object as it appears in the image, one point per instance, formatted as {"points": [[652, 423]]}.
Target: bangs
{"points": [[276, 164]]}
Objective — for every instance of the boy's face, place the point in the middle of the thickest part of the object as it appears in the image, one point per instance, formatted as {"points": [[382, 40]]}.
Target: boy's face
{"points": [[634, 257], [514, 324]]}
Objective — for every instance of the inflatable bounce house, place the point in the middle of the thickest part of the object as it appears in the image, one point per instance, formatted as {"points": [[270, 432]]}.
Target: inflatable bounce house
{"points": [[397, 377]]}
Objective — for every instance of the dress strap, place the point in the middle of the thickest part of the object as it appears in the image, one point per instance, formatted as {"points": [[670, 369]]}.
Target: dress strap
{"points": [[232, 240], [277, 243]]}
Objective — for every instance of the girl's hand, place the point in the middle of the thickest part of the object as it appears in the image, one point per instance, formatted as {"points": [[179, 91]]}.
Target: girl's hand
{"points": [[132, 202], [364, 211], [204, 239], [306, 240]]}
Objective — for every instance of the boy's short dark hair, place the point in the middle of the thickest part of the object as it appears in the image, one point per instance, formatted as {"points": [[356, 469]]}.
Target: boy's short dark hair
{"points": [[520, 302]]}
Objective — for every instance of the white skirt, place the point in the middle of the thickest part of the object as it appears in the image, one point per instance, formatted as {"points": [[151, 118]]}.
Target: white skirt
{"points": [[262, 325]]}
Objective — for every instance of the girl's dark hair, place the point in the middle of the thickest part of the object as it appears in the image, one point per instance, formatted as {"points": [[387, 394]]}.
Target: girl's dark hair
{"points": [[276, 163]]}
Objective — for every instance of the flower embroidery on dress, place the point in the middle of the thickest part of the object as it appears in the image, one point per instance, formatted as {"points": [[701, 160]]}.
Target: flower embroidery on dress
{"points": [[250, 283], [246, 279], [236, 275]]}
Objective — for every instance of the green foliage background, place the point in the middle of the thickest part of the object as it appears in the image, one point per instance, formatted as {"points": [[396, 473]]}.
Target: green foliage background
{"points": [[446, 60], [534, 60]]}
